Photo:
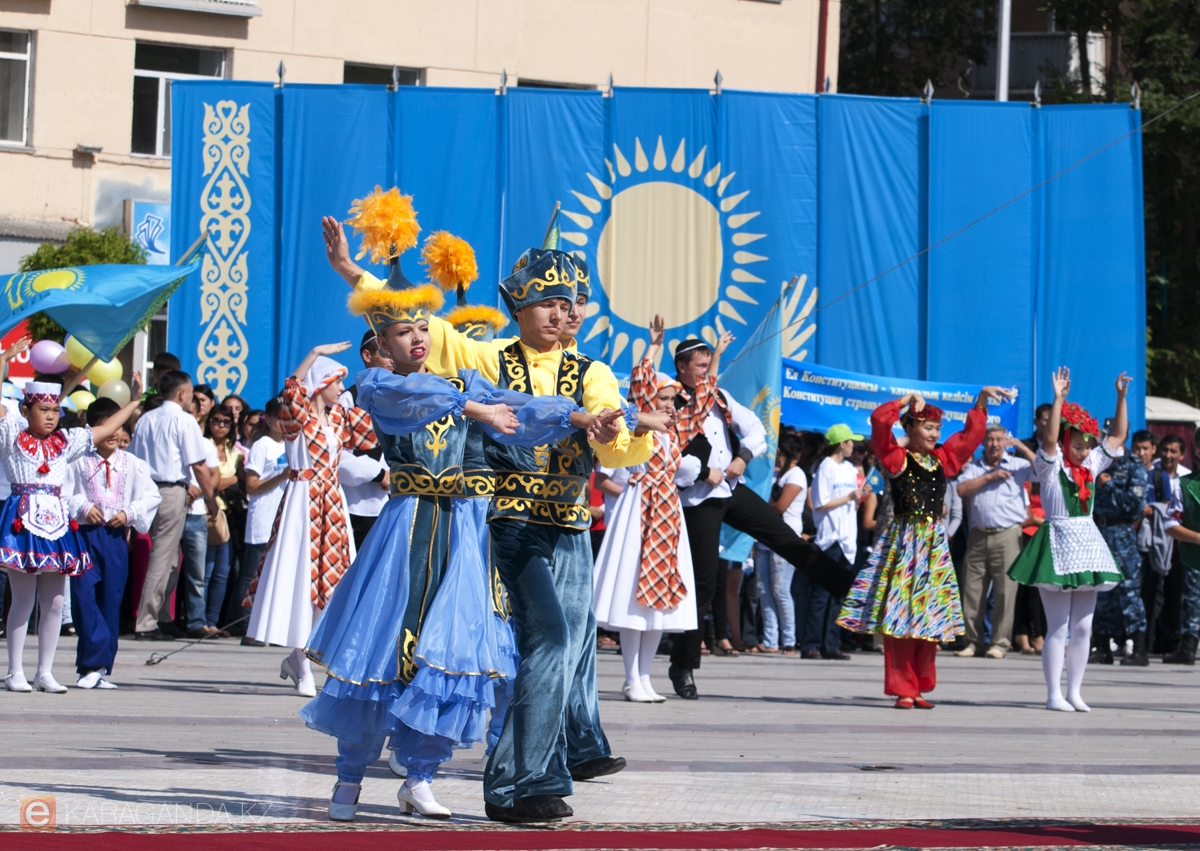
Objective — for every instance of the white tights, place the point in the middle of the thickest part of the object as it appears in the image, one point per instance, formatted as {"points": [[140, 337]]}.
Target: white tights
{"points": [[1067, 611], [48, 588], [637, 651], [301, 664]]}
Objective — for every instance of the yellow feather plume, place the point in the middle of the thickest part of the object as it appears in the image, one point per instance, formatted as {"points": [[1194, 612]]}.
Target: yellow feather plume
{"points": [[396, 303], [470, 314], [387, 222], [450, 260]]}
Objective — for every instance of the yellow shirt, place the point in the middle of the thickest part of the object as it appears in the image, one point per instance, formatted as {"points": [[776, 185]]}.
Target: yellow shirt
{"points": [[450, 351]]}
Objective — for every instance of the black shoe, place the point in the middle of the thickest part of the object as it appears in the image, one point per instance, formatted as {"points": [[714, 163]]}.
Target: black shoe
{"points": [[1101, 652], [599, 767], [67, 630], [1138, 658], [811, 654], [170, 629], [837, 657], [1185, 655], [153, 635], [250, 641], [534, 808], [685, 686]]}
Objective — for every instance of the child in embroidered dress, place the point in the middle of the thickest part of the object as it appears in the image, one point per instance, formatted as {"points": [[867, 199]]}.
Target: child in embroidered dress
{"points": [[40, 544], [1067, 559], [108, 492]]}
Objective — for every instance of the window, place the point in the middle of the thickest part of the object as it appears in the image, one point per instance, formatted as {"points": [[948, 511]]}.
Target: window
{"points": [[379, 75], [14, 87], [546, 84], [155, 66]]}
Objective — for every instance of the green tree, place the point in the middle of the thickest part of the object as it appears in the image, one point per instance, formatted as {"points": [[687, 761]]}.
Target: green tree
{"points": [[83, 247], [891, 47]]}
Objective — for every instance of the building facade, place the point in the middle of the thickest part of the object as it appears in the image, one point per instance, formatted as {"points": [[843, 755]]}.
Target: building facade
{"points": [[85, 84]]}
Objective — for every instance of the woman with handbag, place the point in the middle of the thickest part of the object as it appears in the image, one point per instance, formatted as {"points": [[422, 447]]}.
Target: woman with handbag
{"points": [[219, 432]]}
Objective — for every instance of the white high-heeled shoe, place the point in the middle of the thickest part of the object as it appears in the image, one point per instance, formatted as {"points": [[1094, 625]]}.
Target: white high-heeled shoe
{"points": [[286, 671], [47, 683], [306, 686], [16, 682], [634, 694], [344, 812], [394, 764], [420, 798]]}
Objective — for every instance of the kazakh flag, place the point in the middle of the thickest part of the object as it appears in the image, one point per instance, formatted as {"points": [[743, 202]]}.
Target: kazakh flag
{"points": [[101, 306], [757, 376]]}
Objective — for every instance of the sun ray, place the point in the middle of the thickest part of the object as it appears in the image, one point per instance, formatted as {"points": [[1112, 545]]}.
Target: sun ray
{"points": [[592, 205], [593, 307], [739, 220], [671, 346], [612, 176], [727, 309], [574, 237], [602, 188], [579, 218], [678, 161], [619, 344], [725, 182], [803, 336], [639, 346], [732, 201], [604, 351], [739, 294], [660, 156], [744, 257], [747, 238], [720, 326], [639, 155], [622, 164], [710, 179], [709, 334], [598, 327], [744, 277], [697, 165]]}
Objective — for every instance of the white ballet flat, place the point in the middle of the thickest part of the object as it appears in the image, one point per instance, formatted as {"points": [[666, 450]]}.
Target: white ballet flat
{"points": [[307, 687], [105, 684], [1079, 705], [16, 682], [634, 694], [1059, 705], [651, 693], [47, 683], [344, 812], [286, 671], [89, 680], [394, 764], [419, 798]]}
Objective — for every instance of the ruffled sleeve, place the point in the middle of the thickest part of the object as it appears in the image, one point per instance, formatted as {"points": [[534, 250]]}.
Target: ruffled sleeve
{"points": [[402, 404], [883, 442], [295, 408], [1102, 456], [10, 427], [544, 419], [79, 443], [631, 416], [1045, 467], [358, 430], [959, 447], [643, 385]]}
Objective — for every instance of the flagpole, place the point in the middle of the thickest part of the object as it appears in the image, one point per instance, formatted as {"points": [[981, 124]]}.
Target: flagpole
{"points": [[553, 216]]}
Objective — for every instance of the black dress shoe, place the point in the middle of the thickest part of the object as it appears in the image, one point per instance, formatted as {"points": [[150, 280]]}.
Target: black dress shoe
{"points": [[599, 767], [534, 808], [153, 635], [839, 656], [169, 628], [685, 686]]}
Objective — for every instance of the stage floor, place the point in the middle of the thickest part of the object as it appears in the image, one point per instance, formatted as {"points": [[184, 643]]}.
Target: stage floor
{"points": [[210, 739]]}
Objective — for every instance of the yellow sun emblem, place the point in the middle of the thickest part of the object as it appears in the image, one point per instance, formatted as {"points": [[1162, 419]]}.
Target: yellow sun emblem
{"points": [[26, 285]]}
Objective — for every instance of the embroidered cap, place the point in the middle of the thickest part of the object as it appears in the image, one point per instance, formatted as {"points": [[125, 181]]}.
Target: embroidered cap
{"points": [[928, 414], [691, 344], [541, 274], [43, 393]]}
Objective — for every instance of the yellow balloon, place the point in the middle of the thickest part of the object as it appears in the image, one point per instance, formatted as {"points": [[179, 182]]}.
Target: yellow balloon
{"points": [[77, 354], [82, 398], [102, 372], [114, 389]]}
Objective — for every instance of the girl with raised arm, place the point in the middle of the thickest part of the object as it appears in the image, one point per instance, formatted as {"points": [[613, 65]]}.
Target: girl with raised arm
{"points": [[1067, 559], [907, 592]]}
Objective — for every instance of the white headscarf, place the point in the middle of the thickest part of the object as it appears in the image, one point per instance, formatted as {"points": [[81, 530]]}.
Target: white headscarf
{"points": [[322, 373]]}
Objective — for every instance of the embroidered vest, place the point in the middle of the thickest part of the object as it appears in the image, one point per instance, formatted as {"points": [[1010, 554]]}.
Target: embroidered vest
{"points": [[918, 491], [428, 462], [547, 485]]}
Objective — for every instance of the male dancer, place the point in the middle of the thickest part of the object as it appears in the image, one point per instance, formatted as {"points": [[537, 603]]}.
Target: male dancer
{"points": [[538, 521], [732, 436]]}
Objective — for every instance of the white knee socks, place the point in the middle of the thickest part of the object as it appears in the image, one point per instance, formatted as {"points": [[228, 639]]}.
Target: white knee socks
{"points": [[48, 589], [1067, 611]]}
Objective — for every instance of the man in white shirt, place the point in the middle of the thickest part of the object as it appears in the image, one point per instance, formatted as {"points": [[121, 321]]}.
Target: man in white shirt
{"points": [[994, 489], [727, 439], [168, 438], [362, 472]]}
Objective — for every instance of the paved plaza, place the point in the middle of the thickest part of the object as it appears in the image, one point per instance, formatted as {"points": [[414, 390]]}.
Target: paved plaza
{"points": [[212, 735]]}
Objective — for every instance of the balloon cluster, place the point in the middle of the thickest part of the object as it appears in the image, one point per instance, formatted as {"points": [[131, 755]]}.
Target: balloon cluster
{"points": [[49, 358]]}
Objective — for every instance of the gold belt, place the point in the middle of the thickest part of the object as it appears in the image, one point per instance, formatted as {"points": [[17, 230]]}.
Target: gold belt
{"points": [[415, 480]]}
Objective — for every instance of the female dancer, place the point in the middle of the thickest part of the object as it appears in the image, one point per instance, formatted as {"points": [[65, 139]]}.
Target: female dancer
{"points": [[39, 543], [1067, 559], [907, 590], [311, 545], [644, 568]]}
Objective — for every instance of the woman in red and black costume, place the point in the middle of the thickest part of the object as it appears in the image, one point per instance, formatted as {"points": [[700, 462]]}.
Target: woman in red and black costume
{"points": [[907, 592]]}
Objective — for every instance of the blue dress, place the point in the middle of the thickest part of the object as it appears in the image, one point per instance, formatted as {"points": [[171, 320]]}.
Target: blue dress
{"points": [[412, 640]]}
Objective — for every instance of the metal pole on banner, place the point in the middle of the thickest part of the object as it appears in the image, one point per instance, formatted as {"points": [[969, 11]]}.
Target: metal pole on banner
{"points": [[1002, 52]]}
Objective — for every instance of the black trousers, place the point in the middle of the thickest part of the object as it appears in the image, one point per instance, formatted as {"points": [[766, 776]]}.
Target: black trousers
{"points": [[360, 524], [747, 512]]}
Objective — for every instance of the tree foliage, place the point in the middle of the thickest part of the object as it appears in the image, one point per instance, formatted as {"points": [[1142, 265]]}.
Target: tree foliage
{"points": [[83, 247]]}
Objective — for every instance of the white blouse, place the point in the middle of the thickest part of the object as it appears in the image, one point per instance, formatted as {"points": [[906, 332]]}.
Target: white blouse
{"points": [[41, 461], [120, 483], [1047, 468]]}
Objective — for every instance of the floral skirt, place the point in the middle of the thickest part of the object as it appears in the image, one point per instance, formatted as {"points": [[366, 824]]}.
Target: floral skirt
{"points": [[907, 588]]}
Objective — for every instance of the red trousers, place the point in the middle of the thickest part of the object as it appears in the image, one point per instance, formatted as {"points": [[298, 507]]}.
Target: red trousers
{"points": [[908, 666]]}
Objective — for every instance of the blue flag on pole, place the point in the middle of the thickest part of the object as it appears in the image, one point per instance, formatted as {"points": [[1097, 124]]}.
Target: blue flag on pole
{"points": [[101, 306]]}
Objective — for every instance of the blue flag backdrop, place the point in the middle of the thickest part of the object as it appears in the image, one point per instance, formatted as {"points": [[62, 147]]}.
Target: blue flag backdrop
{"points": [[694, 205]]}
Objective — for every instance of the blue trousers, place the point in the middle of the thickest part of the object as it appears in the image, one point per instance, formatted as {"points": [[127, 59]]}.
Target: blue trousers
{"points": [[1122, 605], [195, 550], [96, 599], [420, 754], [775, 590], [216, 579], [553, 721], [1189, 621], [821, 631]]}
